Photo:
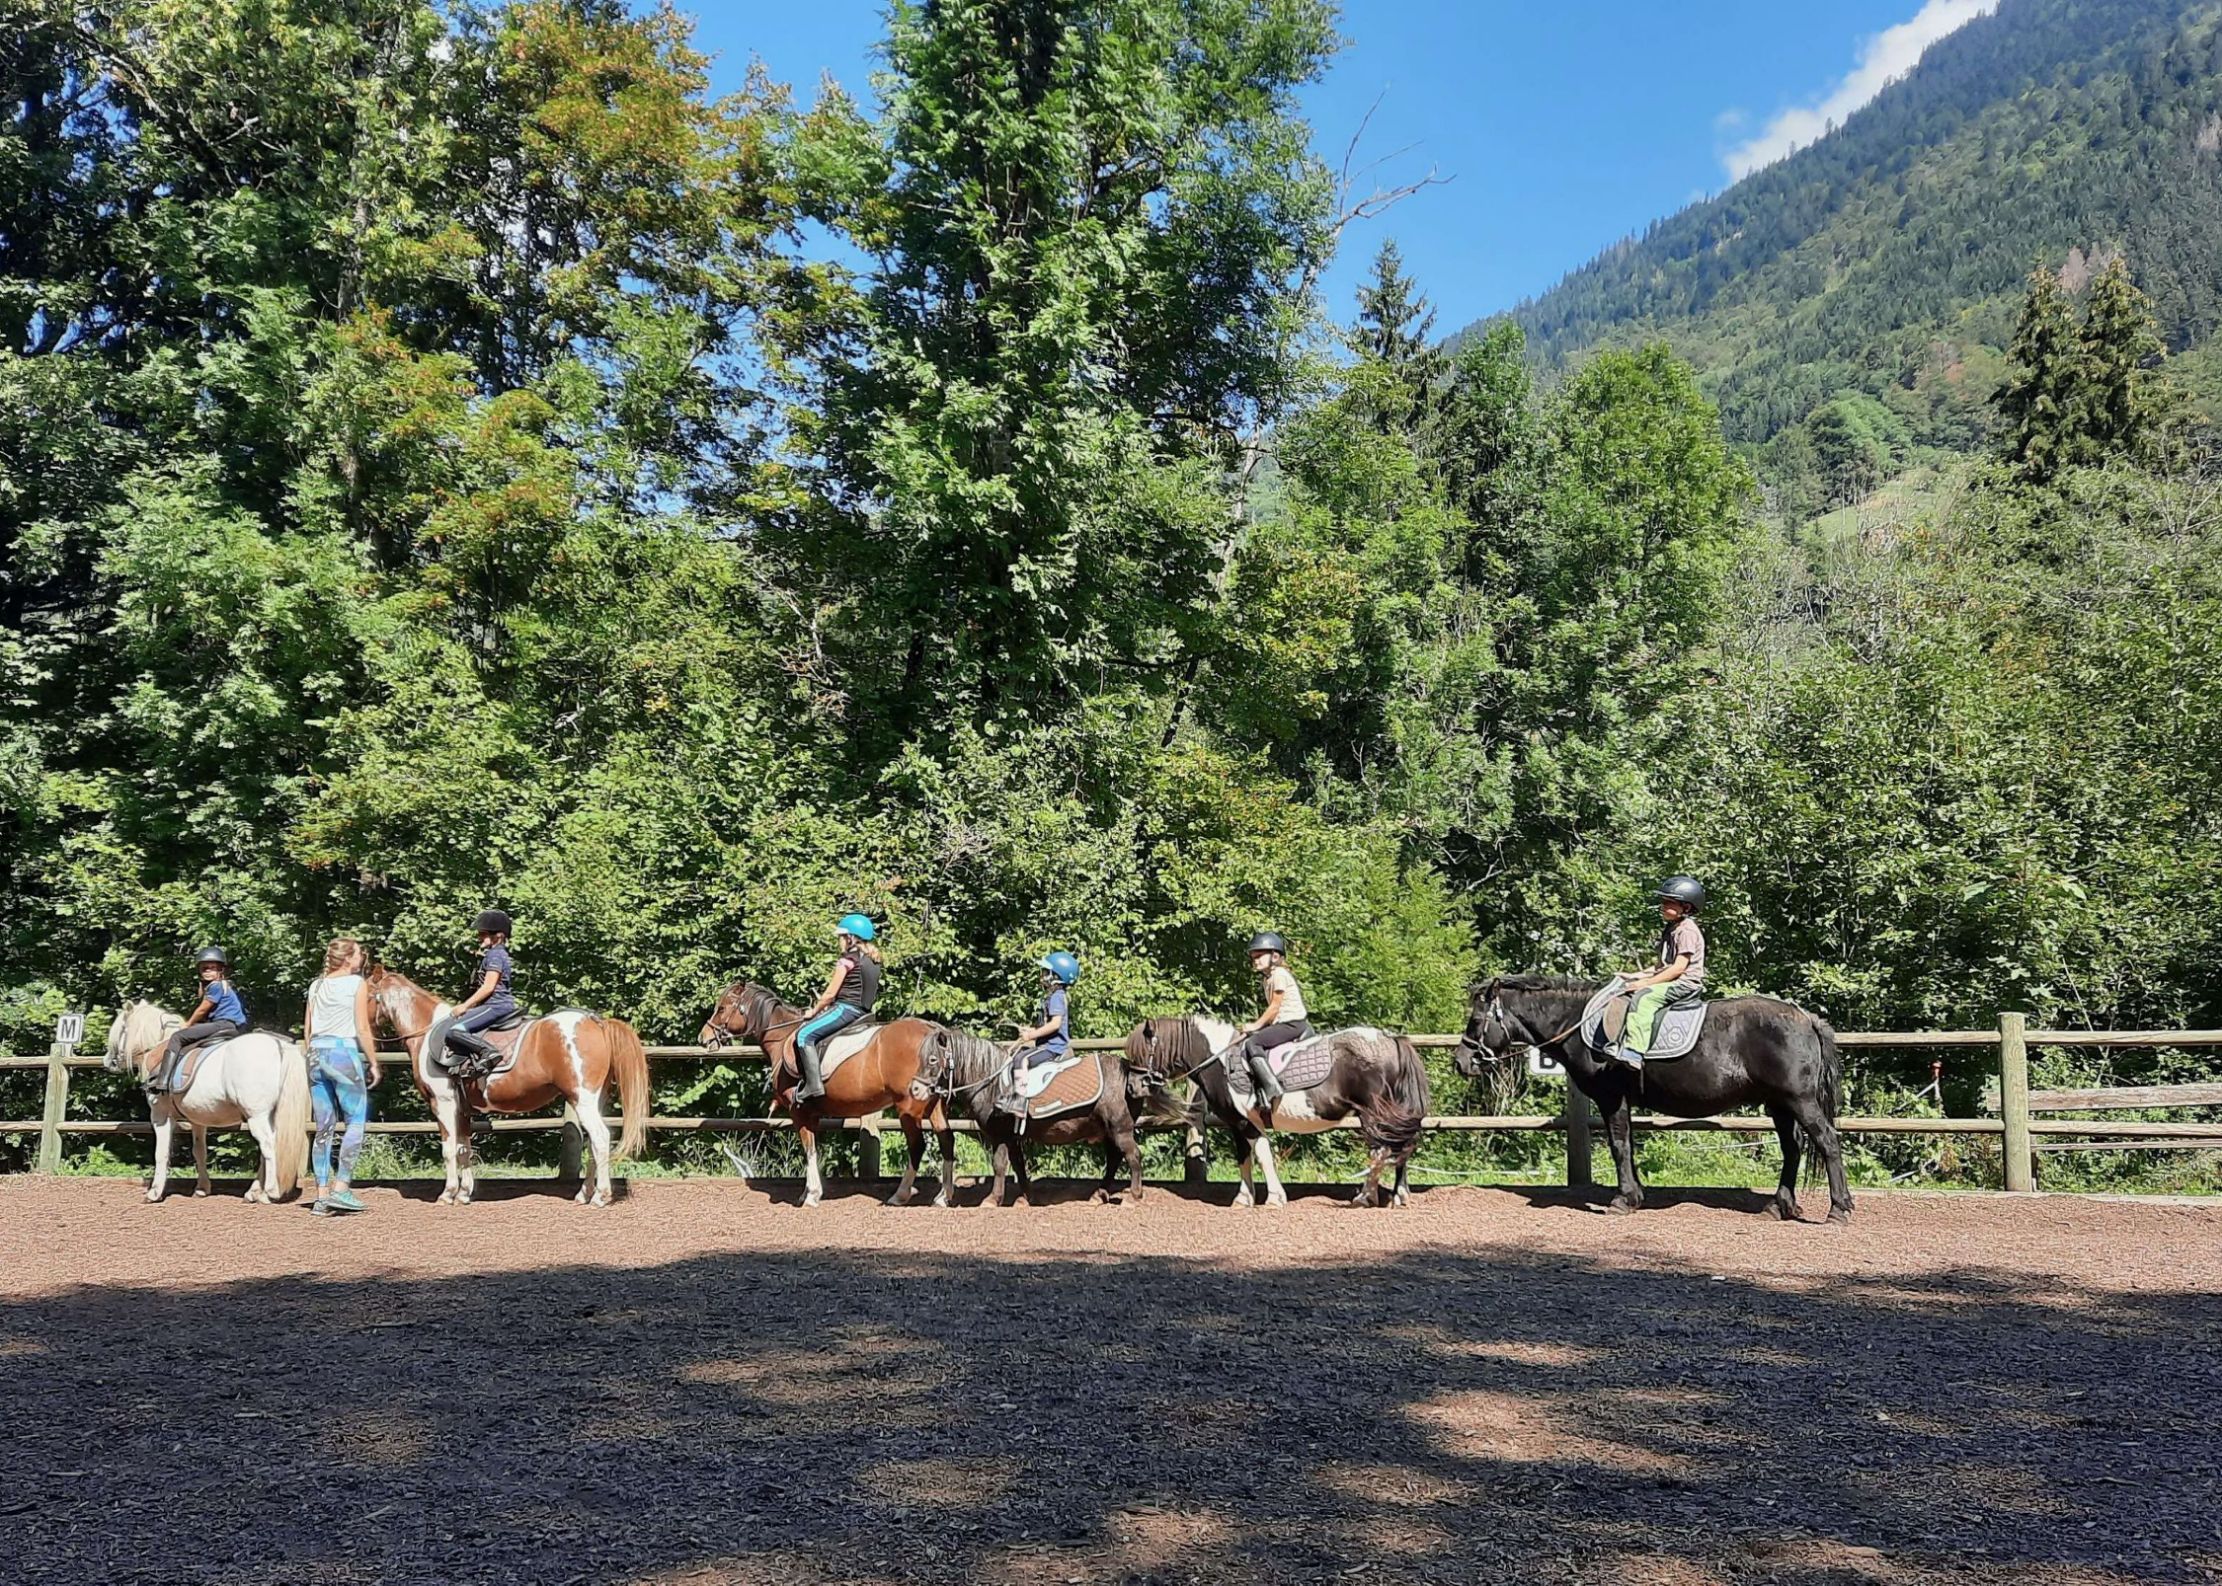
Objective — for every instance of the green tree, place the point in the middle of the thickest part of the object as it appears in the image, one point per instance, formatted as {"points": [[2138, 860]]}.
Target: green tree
{"points": [[2042, 400], [2120, 350]]}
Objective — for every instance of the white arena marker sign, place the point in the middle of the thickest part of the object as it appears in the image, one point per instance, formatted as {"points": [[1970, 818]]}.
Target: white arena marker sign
{"points": [[69, 1029]]}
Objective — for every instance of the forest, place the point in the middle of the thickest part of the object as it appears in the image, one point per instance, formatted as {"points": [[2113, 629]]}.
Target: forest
{"points": [[450, 458]]}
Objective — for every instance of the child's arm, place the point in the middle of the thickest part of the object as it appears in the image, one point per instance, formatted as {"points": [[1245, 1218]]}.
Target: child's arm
{"points": [[201, 1010], [1271, 1015], [308, 1022], [1667, 974], [485, 990], [833, 988], [1037, 1032]]}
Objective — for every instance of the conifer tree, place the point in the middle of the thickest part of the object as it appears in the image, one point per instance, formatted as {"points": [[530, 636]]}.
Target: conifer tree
{"points": [[2116, 412], [2040, 400]]}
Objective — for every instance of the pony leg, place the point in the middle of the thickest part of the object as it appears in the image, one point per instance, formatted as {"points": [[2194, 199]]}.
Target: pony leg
{"points": [[1274, 1194], [1132, 1151], [1246, 1197], [1785, 1203], [1369, 1193], [201, 1185], [164, 1122], [1001, 1152], [449, 1115], [814, 1187], [1822, 1132], [945, 1140], [1102, 1195], [1620, 1130], [1403, 1195], [589, 1110], [1024, 1173], [914, 1148], [262, 1189]]}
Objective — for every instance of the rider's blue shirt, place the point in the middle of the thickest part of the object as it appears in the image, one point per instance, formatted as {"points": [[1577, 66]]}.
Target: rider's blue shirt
{"points": [[1059, 1040], [224, 1003]]}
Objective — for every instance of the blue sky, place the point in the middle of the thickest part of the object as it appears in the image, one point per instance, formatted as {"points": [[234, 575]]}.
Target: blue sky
{"points": [[1563, 126]]}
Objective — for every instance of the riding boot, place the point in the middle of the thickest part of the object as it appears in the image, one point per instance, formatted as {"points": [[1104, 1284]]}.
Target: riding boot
{"points": [[164, 1077], [1267, 1083], [477, 1056], [813, 1086]]}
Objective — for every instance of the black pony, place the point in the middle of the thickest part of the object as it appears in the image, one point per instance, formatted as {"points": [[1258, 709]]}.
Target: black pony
{"points": [[1753, 1049], [968, 1075]]}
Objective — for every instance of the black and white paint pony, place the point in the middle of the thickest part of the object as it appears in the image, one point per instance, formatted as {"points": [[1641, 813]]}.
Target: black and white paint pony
{"points": [[1375, 1075]]}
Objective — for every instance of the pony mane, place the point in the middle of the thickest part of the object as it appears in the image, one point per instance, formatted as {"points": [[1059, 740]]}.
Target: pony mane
{"points": [[140, 1028], [972, 1057], [1526, 982]]}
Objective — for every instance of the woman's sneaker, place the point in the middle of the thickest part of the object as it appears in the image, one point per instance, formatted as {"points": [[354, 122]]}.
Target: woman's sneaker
{"points": [[337, 1203]]}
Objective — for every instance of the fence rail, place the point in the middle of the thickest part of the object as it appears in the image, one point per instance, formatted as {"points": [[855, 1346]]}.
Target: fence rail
{"points": [[2014, 1124]]}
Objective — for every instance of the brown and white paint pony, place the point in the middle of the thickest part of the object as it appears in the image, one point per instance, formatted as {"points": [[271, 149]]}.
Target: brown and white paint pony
{"points": [[258, 1079], [572, 1056], [1377, 1076], [893, 1070]]}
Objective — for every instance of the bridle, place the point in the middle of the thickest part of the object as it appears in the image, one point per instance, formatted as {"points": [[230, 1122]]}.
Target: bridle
{"points": [[1161, 1076], [1494, 1014], [752, 1006]]}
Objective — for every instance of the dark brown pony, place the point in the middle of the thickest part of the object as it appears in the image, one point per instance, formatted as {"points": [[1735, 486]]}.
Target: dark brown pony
{"points": [[572, 1056], [969, 1075], [887, 1073], [1377, 1077]]}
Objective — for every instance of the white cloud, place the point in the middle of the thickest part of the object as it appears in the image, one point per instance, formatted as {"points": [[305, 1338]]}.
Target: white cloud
{"points": [[1884, 58]]}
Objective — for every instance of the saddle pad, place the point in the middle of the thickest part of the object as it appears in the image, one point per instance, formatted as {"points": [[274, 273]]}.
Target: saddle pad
{"points": [[1063, 1084], [505, 1039], [1299, 1065], [1679, 1026], [845, 1046], [189, 1064]]}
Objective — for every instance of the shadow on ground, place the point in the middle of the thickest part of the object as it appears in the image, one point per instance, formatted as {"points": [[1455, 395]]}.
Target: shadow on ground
{"points": [[804, 1417]]}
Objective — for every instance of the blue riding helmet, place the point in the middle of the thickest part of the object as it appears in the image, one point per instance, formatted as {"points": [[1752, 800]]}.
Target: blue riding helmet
{"points": [[1063, 965], [858, 926]]}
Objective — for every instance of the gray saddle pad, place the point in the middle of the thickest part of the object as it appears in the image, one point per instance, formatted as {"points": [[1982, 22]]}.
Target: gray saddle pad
{"points": [[1679, 1026], [1299, 1065], [507, 1038]]}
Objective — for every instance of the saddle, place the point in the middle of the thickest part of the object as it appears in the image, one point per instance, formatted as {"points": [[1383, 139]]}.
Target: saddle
{"points": [[833, 1053], [190, 1060], [1298, 1065], [1063, 1084], [1605, 1020], [503, 1037]]}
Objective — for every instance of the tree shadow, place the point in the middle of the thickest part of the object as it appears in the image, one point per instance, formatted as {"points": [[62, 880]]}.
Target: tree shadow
{"points": [[937, 1415]]}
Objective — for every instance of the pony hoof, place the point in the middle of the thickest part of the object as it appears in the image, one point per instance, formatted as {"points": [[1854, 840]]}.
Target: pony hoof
{"points": [[200, 1193], [1782, 1213], [1275, 1202], [154, 1197], [447, 1198], [810, 1200], [598, 1200], [1100, 1198], [1620, 1206], [463, 1199], [1401, 1200], [1840, 1217]]}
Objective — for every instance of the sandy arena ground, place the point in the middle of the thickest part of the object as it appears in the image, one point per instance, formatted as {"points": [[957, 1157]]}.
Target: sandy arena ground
{"points": [[706, 1383]]}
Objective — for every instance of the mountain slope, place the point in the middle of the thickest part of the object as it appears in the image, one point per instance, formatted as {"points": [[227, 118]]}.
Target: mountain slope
{"points": [[1889, 256]]}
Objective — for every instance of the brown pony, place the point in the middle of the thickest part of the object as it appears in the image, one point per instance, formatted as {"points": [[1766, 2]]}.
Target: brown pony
{"points": [[568, 1056], [891, 1071]]}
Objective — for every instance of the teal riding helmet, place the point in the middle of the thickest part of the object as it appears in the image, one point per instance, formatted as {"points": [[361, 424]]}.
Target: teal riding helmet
{"points": [[858, 926], [1064, 966]]}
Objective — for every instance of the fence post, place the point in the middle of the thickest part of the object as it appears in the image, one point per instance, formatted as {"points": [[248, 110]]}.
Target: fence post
{"points": [[571, 1151], [2013, 1100], [57, 1102], [1578, 1159]]}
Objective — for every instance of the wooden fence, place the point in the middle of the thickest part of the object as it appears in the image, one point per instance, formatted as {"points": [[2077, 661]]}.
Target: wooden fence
{"points": [[2015, 1124]]}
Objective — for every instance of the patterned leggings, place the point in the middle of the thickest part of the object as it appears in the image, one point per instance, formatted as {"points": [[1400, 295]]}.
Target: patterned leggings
{"points": [[337, 1092]]}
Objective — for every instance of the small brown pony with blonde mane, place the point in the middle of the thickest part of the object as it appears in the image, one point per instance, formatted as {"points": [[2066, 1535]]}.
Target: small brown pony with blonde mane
{"points": [[571, 1056], [889, 1072]]}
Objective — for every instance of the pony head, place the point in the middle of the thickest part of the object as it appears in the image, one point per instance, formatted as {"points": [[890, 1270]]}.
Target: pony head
{"points": [[1167, 1049], [137, 1033], [745, 1011]]}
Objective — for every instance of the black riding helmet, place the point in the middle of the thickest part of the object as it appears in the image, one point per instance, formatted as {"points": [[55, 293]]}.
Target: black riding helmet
{"points": [[213, 955], [1685, 890], [491, 922], [1269, 942]]}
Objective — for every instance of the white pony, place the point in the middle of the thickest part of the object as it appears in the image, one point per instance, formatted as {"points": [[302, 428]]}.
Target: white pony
{"points": [[258, 1079]]}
